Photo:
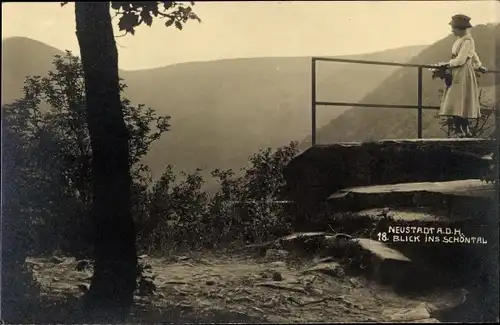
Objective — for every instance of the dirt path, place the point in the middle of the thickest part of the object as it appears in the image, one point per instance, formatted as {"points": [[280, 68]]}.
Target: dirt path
{"points": [[243, 289]]}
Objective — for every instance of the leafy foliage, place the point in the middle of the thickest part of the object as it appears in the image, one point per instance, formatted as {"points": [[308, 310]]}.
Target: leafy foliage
{"points": [[51, 147], [133, 14]]}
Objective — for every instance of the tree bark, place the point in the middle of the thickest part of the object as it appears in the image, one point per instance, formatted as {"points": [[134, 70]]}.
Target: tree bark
{"points": [[113, 283]]}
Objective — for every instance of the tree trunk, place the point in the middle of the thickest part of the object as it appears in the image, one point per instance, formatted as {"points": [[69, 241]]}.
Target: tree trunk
{"points": [[110, 295]]}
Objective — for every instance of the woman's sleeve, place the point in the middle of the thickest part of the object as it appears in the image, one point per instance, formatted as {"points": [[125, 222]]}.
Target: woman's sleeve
{"points": [[476, 62], [465, 52]]}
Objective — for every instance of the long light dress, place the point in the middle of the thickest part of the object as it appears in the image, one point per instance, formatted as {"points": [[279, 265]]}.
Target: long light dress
{"points": [[462, 97]]}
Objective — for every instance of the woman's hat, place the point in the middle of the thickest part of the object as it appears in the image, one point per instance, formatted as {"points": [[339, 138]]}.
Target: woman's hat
{"points": [[460, 21]]}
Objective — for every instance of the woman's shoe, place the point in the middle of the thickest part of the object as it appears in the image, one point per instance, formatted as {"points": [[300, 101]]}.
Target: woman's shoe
{"points": [[468, 133], [459, 131]]}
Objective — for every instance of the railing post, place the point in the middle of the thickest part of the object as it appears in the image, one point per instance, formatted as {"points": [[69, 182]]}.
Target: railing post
{"points": [[419, 104], [313, 101]]}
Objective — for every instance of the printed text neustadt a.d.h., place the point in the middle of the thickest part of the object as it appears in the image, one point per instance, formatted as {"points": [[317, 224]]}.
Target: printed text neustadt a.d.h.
{"points": [[400, 230]]}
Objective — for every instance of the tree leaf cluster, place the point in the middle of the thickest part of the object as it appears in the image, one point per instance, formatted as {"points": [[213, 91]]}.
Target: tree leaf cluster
{"points": [[133, 14]]}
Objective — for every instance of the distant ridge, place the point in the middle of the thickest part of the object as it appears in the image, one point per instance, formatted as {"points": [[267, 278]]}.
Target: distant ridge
{"points": [[222, 111]]}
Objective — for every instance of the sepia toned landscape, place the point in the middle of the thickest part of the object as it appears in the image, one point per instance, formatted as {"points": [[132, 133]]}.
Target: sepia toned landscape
{"points": [[188, 190]]}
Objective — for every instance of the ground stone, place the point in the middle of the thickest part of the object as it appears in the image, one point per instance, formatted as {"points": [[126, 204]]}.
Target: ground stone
{"points": [[277, 276], [381, 250], [355, 283], [83, 287], [276, 254], [278, 264], [428, 320], [56, 259], [409, 314], [332, 269]]}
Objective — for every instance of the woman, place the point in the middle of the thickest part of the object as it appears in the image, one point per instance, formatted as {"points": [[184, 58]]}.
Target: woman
{"points": [[461, 97]]}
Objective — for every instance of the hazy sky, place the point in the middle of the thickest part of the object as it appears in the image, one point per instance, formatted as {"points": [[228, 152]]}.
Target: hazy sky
{"points": [[250, 29]]}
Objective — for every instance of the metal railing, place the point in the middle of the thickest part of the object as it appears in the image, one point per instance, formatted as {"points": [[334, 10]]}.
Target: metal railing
{"points": [[420, 107]]}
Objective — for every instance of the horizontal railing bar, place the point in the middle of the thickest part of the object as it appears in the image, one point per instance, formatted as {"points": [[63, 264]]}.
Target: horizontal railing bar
{"points": [[382, 105], [261, 201], [374, 105], [315, 58], [372, 62]]}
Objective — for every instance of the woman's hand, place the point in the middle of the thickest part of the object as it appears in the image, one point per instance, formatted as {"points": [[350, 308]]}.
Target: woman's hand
{"points": [[439, 68], [482, 69]]}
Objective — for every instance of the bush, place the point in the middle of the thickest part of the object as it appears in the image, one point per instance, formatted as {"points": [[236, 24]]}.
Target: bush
{"points": [[49, 156], [244, 209]]}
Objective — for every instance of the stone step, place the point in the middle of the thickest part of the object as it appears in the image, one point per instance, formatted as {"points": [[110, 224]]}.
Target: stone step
{"points": [[388, 266], [468, 187], [454, 200], [324, 169], [404, 269], [414, 214], [381, 252], [424, 265]]}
